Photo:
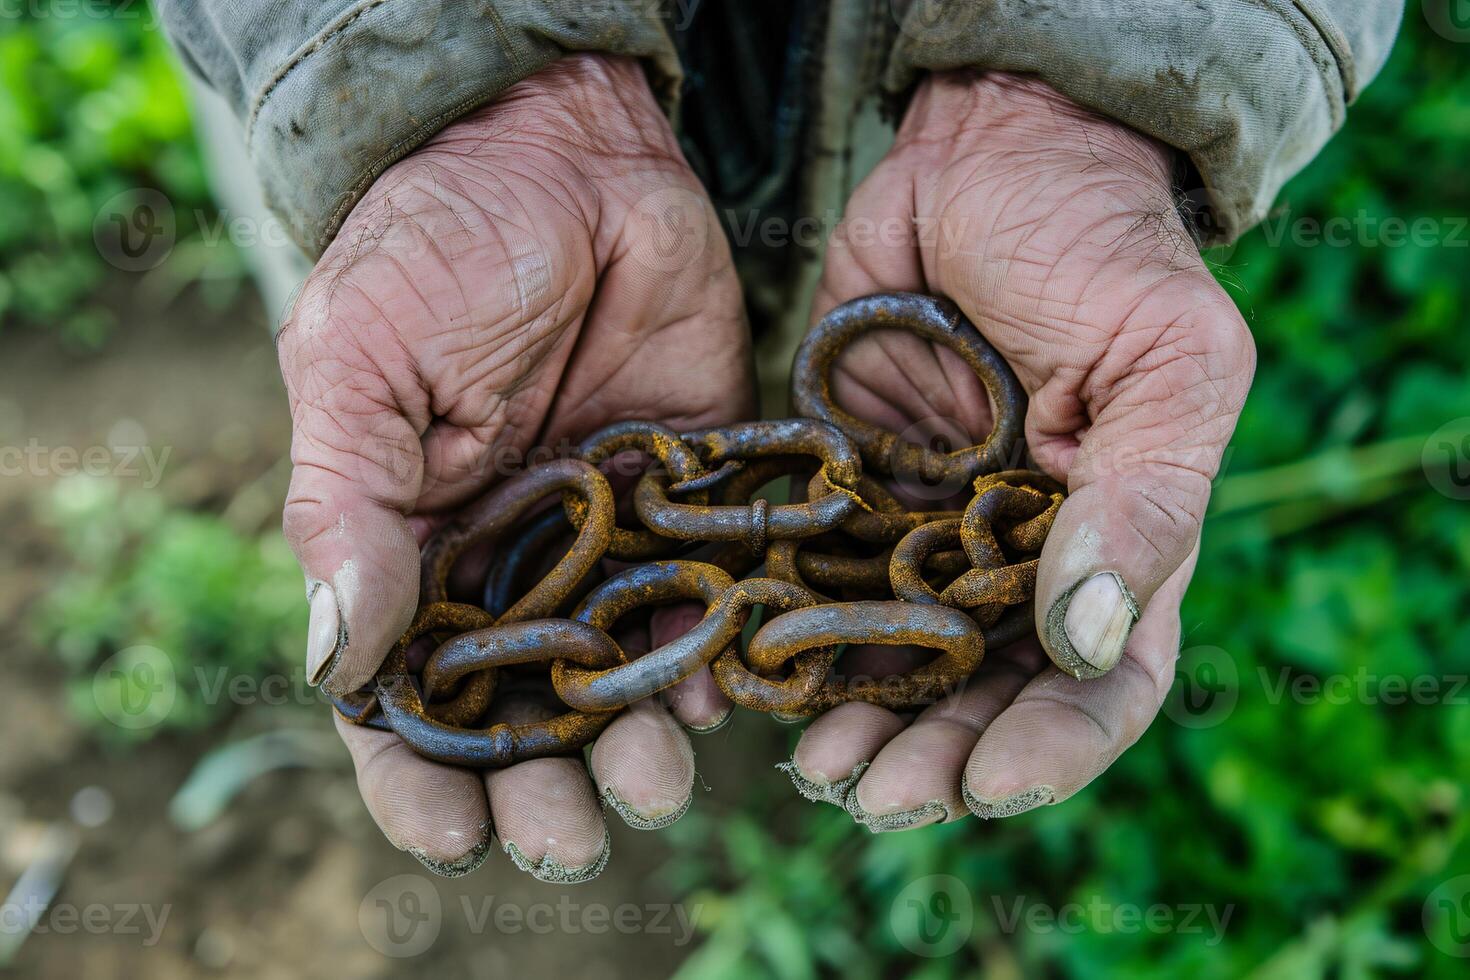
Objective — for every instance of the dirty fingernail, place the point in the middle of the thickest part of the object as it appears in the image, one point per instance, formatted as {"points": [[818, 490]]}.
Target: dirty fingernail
{"points": [[650, 818], [322, 634], [820, 790], [1009, 806], [882, 823], [552, 871], [1095, 618], [713, 726]]}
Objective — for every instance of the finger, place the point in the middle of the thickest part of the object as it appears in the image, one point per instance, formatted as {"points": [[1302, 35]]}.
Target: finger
{"points": [[915, 779], [1163, 403], [835, 749], [546, 813], [643, 766], [435, 812], [357, 467], [697, 702], [1061, 732]]}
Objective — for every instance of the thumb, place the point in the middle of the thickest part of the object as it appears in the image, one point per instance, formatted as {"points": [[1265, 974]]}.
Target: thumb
{"points": [[1163, 403], [357, 468]]}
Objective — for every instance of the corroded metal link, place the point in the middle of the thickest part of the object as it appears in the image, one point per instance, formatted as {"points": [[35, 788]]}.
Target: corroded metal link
{"points": [[438, 617], [728, 606], [643, 585], [533, 641], [518, 558], [1027, 536], [906, 567], [890, 623], [964, 580], [1005, 586], [883, 519], [751, 690], [841, 464], [502, 508], [997, 503], [871, 574], [685, 471], [495, 747], [476, 654], [757, 523], [937, 320]]}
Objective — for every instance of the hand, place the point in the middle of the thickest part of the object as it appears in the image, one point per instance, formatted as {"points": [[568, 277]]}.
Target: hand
{"points": [[1055, 232], [518, 281]]}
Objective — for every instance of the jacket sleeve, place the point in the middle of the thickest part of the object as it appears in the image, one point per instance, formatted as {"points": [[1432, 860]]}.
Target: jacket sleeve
{"points": [[332, 92], [1250, 90]]}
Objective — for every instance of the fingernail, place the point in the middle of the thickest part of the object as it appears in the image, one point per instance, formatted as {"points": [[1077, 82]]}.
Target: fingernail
{"points": [[323, 634], [552, 871], [1089, 624], [657, 819], [454, 869], [713, 726], [819, 791], [881, 823], [1007, 806]]}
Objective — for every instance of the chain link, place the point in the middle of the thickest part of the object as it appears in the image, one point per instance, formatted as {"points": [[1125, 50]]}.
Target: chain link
{"points": [[845, 562]]}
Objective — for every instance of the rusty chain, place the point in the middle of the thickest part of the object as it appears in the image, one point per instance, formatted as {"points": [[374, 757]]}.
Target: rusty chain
{"points": [[845, 561]]}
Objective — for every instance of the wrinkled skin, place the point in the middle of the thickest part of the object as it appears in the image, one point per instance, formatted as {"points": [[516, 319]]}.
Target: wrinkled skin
{"points": [[542, 267], [1055, 232], [549, 264]]}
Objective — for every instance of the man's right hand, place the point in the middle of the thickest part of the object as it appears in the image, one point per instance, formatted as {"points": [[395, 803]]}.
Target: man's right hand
{"points": [[544, 266]]}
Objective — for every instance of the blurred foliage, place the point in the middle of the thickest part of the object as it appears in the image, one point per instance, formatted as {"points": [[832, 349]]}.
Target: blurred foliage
{"points": [[1321, 825], [91, 106], [219, 604]]}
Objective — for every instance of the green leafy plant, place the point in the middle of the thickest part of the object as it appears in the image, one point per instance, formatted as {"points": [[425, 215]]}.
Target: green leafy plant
{"points": [[91, 106], [218, 604]]}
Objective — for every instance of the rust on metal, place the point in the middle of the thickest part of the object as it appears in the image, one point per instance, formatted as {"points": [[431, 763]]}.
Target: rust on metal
{"points": [[845, 562]]}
